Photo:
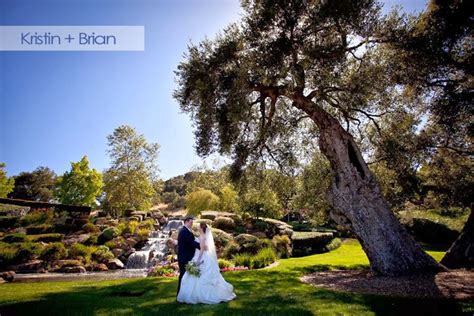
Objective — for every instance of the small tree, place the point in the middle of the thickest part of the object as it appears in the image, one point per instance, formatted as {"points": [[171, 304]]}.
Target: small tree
{"points": [[262, 202], [38, 185], [6, 183], [128, 183], [201, 200], [81, 185], [229, 199]]}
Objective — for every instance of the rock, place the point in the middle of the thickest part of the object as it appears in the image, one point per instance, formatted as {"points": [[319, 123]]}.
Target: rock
{"points": [[72, 239], [137, 218], [7, 275], [29, 267], [108, 234], [131, 242], [208, 215], [117, 252], [66, 263], [224, 223], [100, 267], [114, 264], [2, 281], [260, 235], [75, 269]]}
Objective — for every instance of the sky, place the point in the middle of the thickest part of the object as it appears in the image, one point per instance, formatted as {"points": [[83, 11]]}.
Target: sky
{"points": [[56, 107]]}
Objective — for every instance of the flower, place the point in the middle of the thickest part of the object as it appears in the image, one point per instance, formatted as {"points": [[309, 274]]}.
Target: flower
{"points": [[193, 269]]}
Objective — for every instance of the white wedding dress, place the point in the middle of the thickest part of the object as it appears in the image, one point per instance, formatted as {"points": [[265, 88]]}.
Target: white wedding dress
{"points": [[210, 287]]}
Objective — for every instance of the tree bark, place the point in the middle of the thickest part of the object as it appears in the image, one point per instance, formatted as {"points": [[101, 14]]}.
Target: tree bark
{"points": [[461, 252], [358, 204]]}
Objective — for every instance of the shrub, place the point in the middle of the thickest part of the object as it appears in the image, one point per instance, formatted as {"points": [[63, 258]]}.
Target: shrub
{"points": [[263, 258], [224, 223], [37, 217], [78, 250], [127, 227], [307, 243], [334, 244], [15, 237], [161, 271], [92, 240], [224, 263], [52, 237], [148, 223], [102, 254], [282, 245], [39, 229], [9, 222], [266, 243], [117, 242], [27, 251], [7, 254], [261, 226], [243, 259], [108, 234], [432, 232], [231, 249], [54, 251], [90, 228], [248, 243], [143, 234]]}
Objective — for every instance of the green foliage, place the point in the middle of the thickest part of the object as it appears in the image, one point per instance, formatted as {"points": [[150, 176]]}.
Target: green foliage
{"points": [[334, 244], [7, 222], [81, 185], [148, 223], [102, 254], [54, 251], [201, 200], [263, 258], [90, 228], [37, 217], [262, 202], [52, 237], [127, 227], [128, 183], [77, 251], [39, 229], [307, 243], [7, 254], [161, 271], [221, 238], [143, 233], [248, 243], [224, 263], [108, 234], [231, 249], [15, 237], [92, 240], [282, 245], [169, 197], [38, 185], [6, 183], [229, 200]]}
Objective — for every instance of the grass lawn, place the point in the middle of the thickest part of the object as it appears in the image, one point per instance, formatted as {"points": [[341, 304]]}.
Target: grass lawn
{"points": [[275, 291]]}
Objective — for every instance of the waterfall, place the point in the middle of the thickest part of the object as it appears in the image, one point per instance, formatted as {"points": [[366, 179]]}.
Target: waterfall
{"points": [[155, 248]]}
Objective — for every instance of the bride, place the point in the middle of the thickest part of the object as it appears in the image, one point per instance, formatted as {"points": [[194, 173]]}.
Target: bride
{"points": [[210, 287]]}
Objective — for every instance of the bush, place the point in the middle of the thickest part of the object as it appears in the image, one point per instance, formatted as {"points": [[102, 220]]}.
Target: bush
{"points": [[224, 263], [78, 250], [37, 217], [39, 229], [117, 242], [432, 232], [334, 244], [52, 237], [15, 237], [161, 271], [263, 258], [102, 254], [7, 254], [9, 222], [282, 245], [148, 223], [307, 243], [248, 243], [92, 240], [127, 228], [90, 228], [224, 223], [26, 251], [54, 251], [231, 249], [143, 234], [108, 234]]}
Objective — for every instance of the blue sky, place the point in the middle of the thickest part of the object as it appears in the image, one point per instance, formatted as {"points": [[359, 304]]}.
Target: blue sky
{"points": [[56, 107]]}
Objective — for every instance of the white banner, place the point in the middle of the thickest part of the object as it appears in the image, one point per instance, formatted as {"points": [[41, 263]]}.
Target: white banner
{"points": [[72, 38]]}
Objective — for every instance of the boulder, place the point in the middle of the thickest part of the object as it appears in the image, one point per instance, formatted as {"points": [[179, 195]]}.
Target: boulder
{"points": [[248, 243], [72, 239], [74, 269], [100, 267], [224, 223], [117, 252], [115, 264], [29, 267], [131, 242], [7, 275]]}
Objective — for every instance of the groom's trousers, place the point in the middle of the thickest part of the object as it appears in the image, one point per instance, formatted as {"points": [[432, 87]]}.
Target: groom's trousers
{"points": [[182, 270]]}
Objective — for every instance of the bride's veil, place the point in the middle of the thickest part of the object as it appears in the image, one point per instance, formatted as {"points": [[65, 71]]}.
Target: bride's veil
{"points": [[211, 247]]}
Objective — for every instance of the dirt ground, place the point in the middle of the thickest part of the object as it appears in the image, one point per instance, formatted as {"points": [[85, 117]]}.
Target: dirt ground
{"points": [[455, 284]]}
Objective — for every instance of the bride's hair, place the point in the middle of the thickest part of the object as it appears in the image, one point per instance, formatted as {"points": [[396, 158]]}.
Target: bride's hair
{"points": [[203, 226]]}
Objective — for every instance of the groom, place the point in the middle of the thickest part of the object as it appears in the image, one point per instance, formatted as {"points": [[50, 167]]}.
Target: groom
{"points": [[186, 247]]}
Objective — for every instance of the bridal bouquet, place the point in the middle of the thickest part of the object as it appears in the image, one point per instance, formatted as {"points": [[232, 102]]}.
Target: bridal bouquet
{"points": [[193, 269]]}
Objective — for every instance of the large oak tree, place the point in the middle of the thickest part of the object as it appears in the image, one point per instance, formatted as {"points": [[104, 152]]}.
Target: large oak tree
{"points": [[258, 90]]}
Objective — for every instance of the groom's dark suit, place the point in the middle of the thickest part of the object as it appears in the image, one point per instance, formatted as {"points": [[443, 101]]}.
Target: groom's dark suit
{"points": [[186, 249]]}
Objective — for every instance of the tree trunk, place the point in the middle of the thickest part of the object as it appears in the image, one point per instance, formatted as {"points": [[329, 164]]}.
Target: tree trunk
{"points": [[461, 253], [358, 204]]}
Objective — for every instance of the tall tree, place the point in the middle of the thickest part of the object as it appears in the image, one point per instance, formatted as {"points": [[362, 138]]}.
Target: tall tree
{"points": [[81, 185], [128, 183], [38, 185], [290, 63], [6, 183]]}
